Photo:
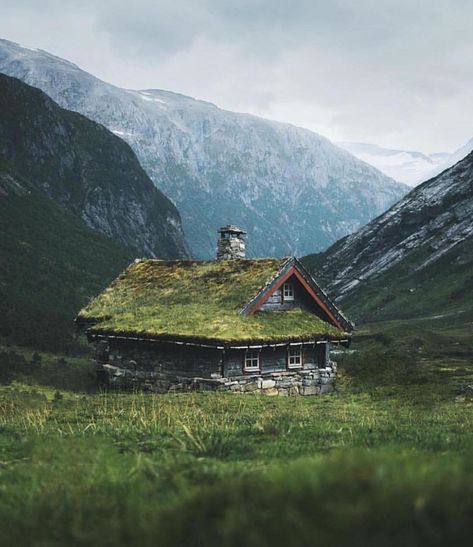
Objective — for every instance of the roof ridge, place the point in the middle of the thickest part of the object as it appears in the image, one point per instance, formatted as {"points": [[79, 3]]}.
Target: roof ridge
{"points": [[209, 261]]}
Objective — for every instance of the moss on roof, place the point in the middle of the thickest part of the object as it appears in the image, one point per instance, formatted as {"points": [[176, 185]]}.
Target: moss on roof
{"points": [[192, 300]]}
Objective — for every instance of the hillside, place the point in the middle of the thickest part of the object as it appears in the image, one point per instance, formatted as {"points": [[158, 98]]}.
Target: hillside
{"points": [[52, 263], [293, 190], [85, 169], [415, 260]]}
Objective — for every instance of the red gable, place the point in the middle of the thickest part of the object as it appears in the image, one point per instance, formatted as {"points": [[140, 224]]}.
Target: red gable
{"points": [[293, 269]]}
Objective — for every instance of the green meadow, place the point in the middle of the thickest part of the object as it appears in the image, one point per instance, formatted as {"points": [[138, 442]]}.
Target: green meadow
{"points": [[385, 460]]}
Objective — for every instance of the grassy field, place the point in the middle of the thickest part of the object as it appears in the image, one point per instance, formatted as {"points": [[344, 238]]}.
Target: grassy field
{"points": [[386, 460]]}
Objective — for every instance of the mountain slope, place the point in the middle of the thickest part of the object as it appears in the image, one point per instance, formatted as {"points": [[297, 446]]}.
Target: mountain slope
{"points": [[415, 259], [406, 166], [51, 265], [85, 169], [293, 190]]}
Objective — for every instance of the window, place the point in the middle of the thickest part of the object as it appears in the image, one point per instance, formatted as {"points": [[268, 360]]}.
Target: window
{"points": [[294, 357], [252, 359], [288, 292]]}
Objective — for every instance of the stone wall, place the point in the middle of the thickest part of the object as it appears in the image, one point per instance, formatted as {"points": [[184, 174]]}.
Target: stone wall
{"points": [[300, 382], [166, 368]]}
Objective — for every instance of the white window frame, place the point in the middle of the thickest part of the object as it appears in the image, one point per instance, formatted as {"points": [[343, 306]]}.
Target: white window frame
{"points": [[294, 357], [288, 292], [252, 356]]}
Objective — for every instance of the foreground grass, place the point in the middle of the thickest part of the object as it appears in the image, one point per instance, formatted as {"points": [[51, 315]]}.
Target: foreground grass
{"points": [[384, 461]]}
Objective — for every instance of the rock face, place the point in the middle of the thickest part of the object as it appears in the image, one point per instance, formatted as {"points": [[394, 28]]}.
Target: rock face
{"points": [[85, 169], [424, 244], [293, 190]]}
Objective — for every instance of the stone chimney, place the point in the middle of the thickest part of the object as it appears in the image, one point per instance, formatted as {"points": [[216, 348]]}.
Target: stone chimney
{"points": [[231, 244]]}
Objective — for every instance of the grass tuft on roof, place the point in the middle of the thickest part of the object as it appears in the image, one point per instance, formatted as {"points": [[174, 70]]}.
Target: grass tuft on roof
{"points": [[193, 300]]}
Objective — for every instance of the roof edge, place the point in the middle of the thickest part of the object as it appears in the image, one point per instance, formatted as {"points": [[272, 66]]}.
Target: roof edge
{"points": [[346, 323], [220, 344]]}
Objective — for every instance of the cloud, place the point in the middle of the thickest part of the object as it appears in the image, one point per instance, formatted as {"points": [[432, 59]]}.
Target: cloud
{"points": [[397, 73]]}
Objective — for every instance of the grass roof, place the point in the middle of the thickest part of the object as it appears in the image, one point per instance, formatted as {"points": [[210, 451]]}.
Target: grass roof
{"points": [[190, 300]]}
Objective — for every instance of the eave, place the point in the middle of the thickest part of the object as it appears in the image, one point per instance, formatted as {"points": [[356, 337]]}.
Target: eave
{"points": [[219, 344]]}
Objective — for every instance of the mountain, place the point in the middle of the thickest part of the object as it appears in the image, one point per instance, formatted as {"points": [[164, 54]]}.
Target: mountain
{"points": [[414, 260], [85, 169], [75, 209], [291, 189], [407, 166]]}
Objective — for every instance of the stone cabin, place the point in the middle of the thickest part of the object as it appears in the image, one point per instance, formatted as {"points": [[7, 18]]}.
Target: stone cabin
{"points": [[232, 324]]}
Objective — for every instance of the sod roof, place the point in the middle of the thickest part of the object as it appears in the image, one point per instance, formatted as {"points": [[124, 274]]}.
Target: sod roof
{"points": [[190, 300]]}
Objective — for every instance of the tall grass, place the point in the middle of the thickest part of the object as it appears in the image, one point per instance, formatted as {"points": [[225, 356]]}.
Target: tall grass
{"points": [[383, 461]]}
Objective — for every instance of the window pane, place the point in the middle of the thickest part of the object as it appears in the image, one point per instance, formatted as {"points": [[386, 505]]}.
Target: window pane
{"points": [[295, 356], [252, 359], [288, 291]]}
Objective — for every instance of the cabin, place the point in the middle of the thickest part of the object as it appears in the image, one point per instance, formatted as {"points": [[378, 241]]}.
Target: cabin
{"points": [[231, 324]]}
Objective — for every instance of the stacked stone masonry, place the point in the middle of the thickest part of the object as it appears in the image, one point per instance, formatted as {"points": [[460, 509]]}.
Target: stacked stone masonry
{"points": [[230, 248]]}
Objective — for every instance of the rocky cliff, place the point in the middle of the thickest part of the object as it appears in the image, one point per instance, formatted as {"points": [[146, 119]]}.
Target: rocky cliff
{"points": [[85, 169], [417, 258]]}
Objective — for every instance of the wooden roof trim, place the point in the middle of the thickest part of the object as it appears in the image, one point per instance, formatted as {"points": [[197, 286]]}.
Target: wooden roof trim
{"points": [[348, 325], [222, 346], [320, 301], [293, 271]]}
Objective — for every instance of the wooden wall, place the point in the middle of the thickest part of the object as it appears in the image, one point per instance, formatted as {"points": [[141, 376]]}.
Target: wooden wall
{"points": [[275, 359], [167, 358]]}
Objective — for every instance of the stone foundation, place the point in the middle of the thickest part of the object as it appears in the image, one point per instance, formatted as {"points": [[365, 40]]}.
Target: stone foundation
{"points": [[313, 382]]}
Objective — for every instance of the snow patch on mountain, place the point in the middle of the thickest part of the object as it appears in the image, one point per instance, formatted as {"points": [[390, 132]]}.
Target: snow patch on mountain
{"points": [[408, 166]]}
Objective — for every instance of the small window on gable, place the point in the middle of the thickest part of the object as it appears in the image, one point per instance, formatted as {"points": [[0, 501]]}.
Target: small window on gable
{"points": [[294, 357], [288, 292], [252, 361]]}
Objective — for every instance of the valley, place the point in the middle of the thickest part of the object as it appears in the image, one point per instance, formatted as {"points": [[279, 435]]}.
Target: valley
{"points": [[93, 177], [397, 428]]}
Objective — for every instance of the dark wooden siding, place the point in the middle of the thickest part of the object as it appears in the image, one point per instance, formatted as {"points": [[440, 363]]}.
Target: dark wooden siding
{"points": [[301, 300], [190, 362], [233, 362], [273, 302], [316, 356], [275, 359]]}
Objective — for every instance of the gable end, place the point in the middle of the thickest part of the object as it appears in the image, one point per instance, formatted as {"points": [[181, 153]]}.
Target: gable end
{"points": [[293, 268]]}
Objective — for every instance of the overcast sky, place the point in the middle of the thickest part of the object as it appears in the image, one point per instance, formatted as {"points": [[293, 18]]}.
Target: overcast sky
{"points": [[395, 73]]}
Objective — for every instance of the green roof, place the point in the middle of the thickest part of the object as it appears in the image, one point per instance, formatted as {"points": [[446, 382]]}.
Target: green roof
{"points": [[191, 300]]}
